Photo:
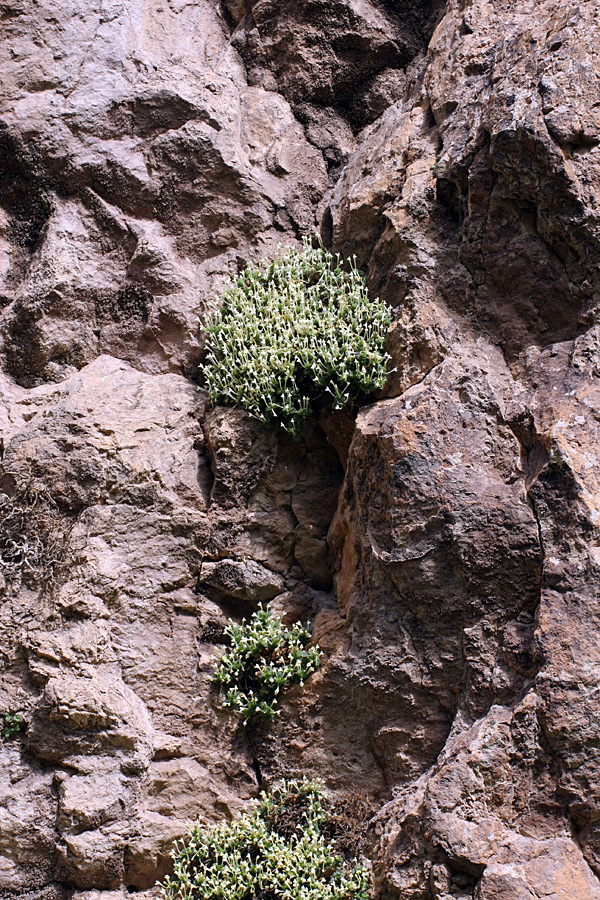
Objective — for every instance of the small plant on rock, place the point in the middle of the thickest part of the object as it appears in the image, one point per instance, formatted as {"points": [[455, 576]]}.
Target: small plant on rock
{"points": [[33, 532], [12, 725], [264, 658], [295, 335], [281, 851]]}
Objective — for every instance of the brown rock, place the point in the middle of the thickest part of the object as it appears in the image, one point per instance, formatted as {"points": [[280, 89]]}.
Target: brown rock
{"points": [[243, 580], [334, 55], [27, 815], [145, 155], [112, 215]]}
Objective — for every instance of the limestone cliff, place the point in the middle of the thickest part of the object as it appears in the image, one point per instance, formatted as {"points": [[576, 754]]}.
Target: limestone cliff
{"points": [[445, 545]]}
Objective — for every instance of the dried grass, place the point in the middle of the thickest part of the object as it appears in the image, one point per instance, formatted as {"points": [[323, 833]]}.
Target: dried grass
{"points": [[33, 531]]}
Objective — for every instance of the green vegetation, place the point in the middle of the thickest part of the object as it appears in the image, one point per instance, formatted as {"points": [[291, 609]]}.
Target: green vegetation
{"points": [[12, 725], [264, 658], [285, 850], [290, 338], [295, 335]]}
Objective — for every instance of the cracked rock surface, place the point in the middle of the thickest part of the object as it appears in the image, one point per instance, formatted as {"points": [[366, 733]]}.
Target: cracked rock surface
{"points": [[444, 542]]}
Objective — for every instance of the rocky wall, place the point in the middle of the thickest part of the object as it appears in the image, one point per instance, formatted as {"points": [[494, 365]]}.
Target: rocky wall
{"points": [[444, 545]]}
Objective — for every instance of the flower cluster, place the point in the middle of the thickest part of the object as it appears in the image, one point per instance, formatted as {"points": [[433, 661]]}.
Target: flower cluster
{"points": [[264, 657], [279, 851], [294, 335]]}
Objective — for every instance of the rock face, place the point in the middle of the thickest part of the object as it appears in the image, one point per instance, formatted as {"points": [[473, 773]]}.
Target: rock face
{"points": [[444, 545]]}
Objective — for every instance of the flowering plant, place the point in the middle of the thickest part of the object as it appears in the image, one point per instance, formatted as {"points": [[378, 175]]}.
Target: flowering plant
{"points": [[264, 658], [281, 851], [295, 334]]}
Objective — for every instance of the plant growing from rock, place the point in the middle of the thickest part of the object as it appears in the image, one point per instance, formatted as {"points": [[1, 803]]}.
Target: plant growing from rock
{"points": [[12, 725], [295, 335], [33, 533], [264, 658], [284, 850]]}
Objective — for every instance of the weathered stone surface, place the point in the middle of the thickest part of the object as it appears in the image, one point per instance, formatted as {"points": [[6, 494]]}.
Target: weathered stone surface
{"points": [[489, 809], [272, 499], [445, 545], [109, 658], [118, 658], [343, 54], [244, 580], [138, 167], [27, 815], [464, 226]]}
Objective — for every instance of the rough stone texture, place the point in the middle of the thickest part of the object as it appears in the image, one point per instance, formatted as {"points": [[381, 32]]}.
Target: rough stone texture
{"points": [[341, 55], [477, 220], [445, 545], [138, 166]]}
